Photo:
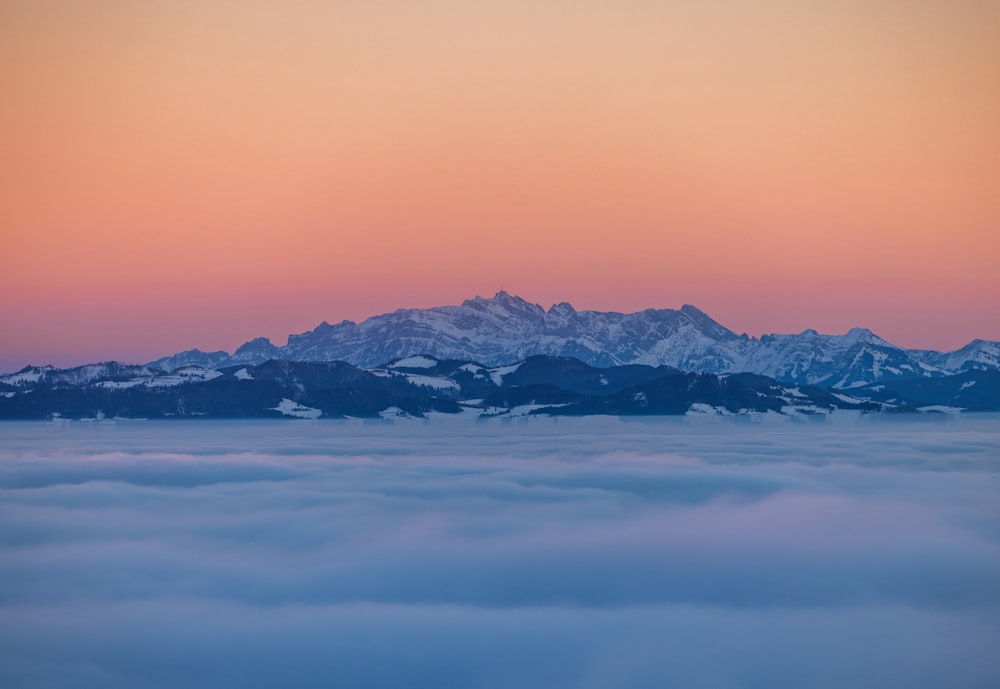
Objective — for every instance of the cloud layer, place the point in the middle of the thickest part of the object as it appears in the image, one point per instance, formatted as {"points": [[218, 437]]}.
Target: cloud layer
{"points": [[577, 553]]}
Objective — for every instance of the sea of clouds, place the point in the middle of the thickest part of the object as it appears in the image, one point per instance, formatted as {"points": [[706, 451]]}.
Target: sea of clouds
{"points": [[539, 553]]}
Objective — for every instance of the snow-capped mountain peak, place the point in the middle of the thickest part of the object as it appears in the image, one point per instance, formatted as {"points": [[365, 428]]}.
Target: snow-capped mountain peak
{"points": [[256, 351]]}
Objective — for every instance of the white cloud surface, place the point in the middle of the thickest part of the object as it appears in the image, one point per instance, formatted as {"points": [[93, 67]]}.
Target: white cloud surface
{"points": [[569, 553]]}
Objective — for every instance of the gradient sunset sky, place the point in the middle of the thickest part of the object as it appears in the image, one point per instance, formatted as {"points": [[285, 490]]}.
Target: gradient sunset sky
{"points": [[188, 173]]}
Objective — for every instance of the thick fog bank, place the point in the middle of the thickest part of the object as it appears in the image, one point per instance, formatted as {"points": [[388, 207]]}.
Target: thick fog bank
{"points": [[539, 553]]}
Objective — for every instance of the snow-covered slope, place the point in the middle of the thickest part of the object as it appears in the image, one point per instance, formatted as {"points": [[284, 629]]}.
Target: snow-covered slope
{"points": [[842, 361], [190, 357], [30, 376], [980, 355], [108, 375]]}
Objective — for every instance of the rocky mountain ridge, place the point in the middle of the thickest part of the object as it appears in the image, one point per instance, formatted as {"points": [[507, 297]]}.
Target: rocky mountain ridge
{"points": [[505, 329]]}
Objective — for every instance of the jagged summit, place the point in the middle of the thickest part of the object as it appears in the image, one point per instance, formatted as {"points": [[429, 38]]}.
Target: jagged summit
{"points": [[563, 307], [256, 343], [256, 351], [864, 334], [503, 301]]}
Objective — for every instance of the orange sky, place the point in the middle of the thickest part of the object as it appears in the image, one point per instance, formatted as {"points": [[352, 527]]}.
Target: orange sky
{"points": [[185, 174]]}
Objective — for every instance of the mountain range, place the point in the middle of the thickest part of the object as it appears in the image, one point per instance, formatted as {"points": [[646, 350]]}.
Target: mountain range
{"points": [[506, 329], [419, 386], [507, 357]]}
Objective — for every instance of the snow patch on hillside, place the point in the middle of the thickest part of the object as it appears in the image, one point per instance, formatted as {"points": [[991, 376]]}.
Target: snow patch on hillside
{"points": [[701, 409], [182, 376], [414, 362], [497, 374], [22, 378], [941, 409], [291, 408], [436, 382], [122, 384]]}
